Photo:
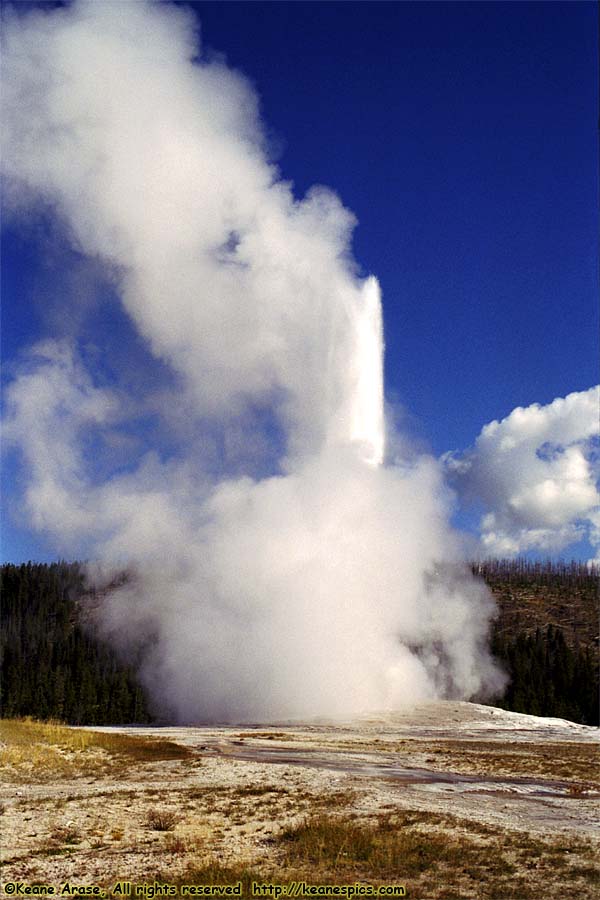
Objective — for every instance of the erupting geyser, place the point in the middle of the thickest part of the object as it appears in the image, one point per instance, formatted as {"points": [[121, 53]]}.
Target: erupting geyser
{"points": [[367, 416], [276, 566]]}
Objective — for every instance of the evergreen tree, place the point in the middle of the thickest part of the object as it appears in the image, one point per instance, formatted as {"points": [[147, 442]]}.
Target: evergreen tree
{"points": [[50, 666]]}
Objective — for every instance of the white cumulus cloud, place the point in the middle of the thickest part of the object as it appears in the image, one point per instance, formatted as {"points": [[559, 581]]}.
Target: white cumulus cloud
{"points": [[536, 474]]}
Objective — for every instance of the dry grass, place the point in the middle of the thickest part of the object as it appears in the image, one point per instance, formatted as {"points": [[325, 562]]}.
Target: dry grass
{"points": [[175, 845], [217, 873], [384, 850], [54, 750], [558, 760], [437, 856], [575, 762], [60, 840], [265, 828], [258, 790], [65, 834], [161, 819], [249, 803], [267, 735]]}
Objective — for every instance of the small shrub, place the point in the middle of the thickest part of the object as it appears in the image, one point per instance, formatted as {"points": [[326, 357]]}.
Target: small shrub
{"points": [[65, 834], [175, 844], [258, 790], [161, 819]]}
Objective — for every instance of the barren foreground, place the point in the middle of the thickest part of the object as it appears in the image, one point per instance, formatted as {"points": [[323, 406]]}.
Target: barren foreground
{"points": [[449, 800]]}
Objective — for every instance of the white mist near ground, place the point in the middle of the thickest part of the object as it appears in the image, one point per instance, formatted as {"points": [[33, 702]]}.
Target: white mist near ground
{"points": [[329, 583]]}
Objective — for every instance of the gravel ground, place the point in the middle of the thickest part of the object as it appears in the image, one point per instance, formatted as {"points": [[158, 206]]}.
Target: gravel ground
{"points": [[245, 783]]}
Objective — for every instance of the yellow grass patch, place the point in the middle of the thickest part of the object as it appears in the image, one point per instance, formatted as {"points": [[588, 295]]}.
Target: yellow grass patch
{"points": [[51, 749]]}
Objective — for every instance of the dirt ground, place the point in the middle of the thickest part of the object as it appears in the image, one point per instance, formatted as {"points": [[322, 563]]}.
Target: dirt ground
{"points": [[527, 786]]}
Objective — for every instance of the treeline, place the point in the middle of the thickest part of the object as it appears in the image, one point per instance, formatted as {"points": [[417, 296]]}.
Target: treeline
{"points": [[51, 667], [519, 570]]}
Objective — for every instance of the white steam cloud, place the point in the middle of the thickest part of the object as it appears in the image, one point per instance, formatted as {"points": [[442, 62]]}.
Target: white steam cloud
{"points": [[536, 472], [328, 583]]}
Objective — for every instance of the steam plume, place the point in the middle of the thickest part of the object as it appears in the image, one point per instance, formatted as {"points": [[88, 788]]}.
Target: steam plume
{"points": [[304, 579]]}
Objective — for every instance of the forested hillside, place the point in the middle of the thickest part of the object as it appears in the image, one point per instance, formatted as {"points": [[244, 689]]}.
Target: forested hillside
{"points": [[546, 637], [51, 667], [533, 595]]}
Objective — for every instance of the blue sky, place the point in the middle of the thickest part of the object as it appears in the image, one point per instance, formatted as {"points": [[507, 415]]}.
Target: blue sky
{"points": [[463, 136]]}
